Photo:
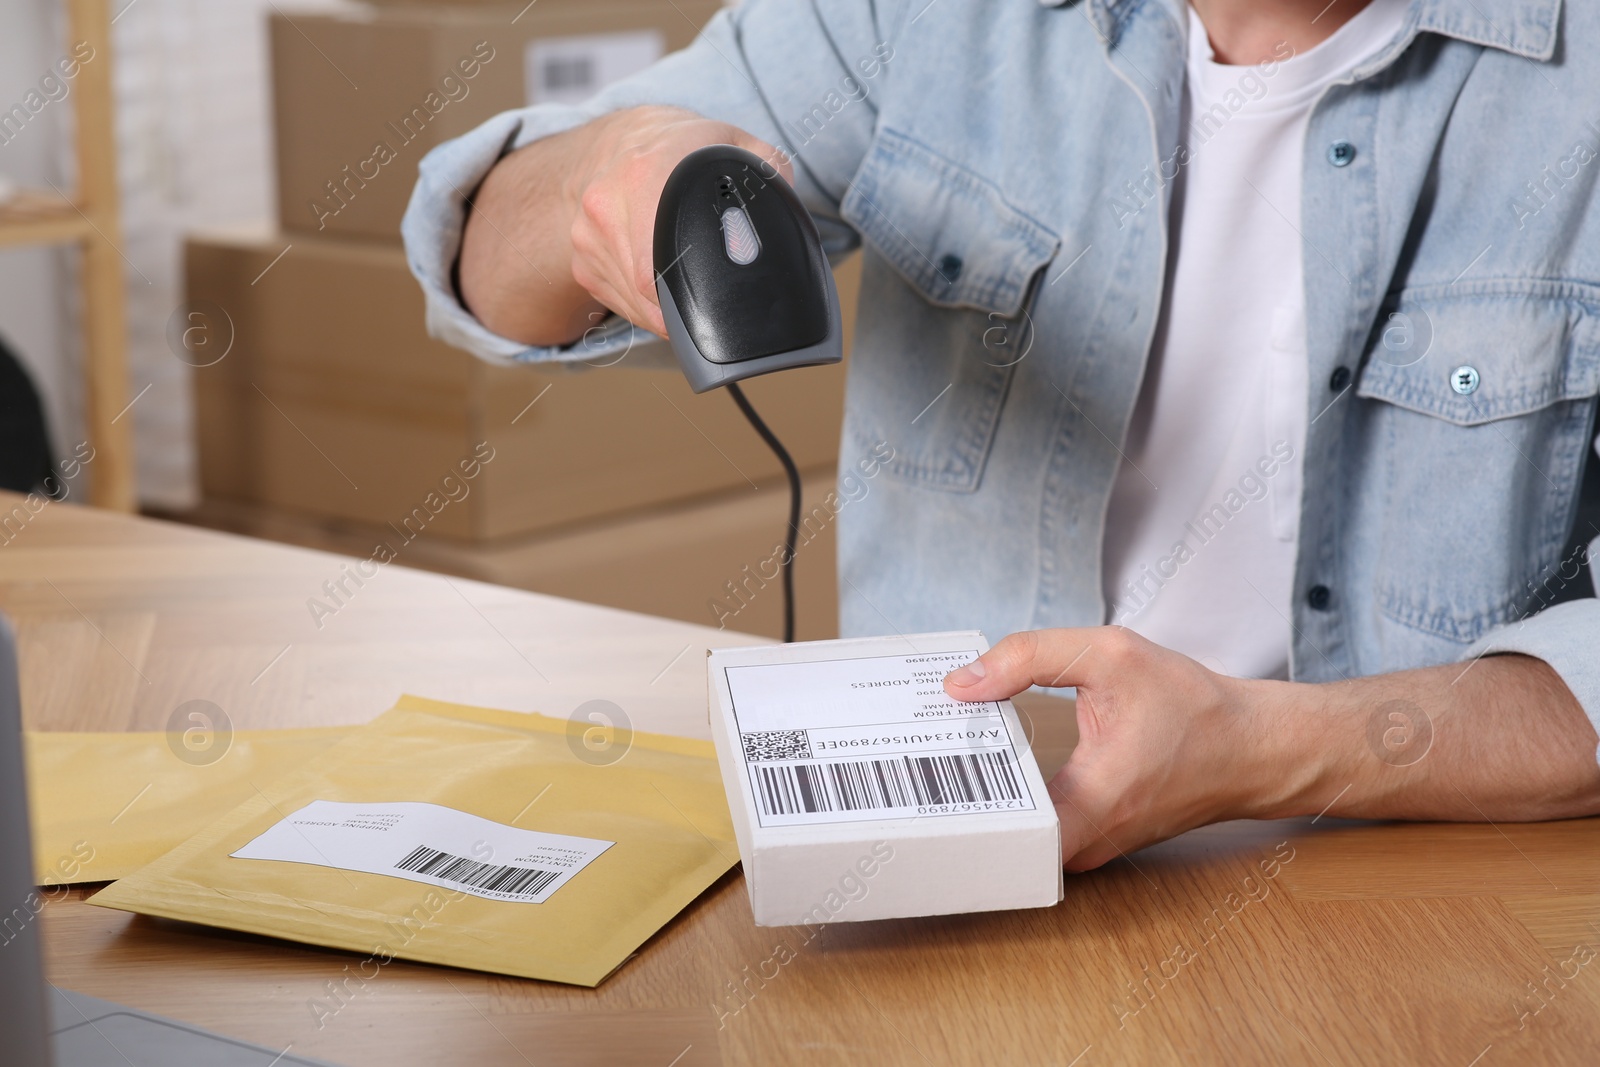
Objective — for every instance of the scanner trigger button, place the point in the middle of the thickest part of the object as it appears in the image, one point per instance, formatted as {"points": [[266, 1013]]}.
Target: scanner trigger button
{"points": [[739, 236]]}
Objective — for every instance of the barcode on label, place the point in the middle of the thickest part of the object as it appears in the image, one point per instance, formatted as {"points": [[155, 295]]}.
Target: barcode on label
{"points": [[565, 73], [490, 877], [905, 782]]}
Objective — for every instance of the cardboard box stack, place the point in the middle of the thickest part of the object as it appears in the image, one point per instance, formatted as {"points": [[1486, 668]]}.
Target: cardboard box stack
{"points": [[332, 405], [359, 98]]}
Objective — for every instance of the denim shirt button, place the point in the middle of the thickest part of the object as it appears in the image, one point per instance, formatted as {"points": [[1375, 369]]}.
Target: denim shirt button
{"points": [[1341, 153], [1339, 379], [1318, 596], [950, 267], [1464, 379]]}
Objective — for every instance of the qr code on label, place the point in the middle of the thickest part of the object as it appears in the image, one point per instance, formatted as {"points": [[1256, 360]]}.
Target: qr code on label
{"points": [[776, 744]]}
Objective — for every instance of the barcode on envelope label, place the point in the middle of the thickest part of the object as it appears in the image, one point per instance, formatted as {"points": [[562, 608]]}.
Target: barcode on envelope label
{"points": [[902, 782], [489, 877]]}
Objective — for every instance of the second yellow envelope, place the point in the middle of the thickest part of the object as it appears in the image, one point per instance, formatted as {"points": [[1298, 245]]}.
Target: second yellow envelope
{"points": [[656, 804], [106, 804]]}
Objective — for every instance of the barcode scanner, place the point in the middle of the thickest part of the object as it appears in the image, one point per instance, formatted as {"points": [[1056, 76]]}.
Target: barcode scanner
{"points": [[744, 285], [745, 289]]}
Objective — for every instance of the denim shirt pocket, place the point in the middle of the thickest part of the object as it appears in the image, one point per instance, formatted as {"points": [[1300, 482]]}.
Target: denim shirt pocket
{"points": [[1486, 414], [947, 323]]}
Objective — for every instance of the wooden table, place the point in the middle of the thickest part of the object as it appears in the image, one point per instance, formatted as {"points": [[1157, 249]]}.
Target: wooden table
{"points": [[1372, 944]]}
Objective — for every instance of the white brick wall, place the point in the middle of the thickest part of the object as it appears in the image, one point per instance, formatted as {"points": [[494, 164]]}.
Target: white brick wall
{"points": [[194, 132]]}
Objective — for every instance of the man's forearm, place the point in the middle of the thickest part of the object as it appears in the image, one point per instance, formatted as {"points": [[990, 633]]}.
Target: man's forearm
{"points": [[1500, 739], [516, 250]]}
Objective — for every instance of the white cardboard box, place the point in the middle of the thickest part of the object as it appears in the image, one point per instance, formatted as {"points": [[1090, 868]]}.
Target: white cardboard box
{"points": [[859, 790]]}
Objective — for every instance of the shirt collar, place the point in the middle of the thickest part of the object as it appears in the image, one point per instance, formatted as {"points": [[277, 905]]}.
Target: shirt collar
{"points": [[1526, 28]]}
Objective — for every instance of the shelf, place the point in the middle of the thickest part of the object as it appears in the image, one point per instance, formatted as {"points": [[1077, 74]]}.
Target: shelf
{"points": [[89, 219], [32, 216]]}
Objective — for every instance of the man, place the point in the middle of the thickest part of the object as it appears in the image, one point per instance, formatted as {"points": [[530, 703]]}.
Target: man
{"points": [[1264, 331]]}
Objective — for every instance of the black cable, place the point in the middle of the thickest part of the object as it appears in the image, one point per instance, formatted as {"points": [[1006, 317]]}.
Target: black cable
{"points": [[789, 469]]}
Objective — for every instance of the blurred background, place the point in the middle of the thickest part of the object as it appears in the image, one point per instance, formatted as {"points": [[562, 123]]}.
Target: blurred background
{"points": [[206, 314]]}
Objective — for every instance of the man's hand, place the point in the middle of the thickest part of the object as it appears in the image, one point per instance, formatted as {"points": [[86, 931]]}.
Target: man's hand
{"points": [[614, 193], [564, 229], [1165, 745]]}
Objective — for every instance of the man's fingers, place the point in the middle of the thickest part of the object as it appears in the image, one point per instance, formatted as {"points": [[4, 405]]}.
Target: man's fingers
{"points": [[653, 321], [773, 157], [1051, 658], [622, 246], [597, 265], [644, 273]]}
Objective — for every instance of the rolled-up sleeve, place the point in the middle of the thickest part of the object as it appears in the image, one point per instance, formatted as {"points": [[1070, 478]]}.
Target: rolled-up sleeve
{"points": [[800, 74], [1566, 636]]}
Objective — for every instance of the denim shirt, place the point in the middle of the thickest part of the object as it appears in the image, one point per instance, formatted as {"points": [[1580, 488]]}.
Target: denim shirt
{"points": [[1005, 167]]}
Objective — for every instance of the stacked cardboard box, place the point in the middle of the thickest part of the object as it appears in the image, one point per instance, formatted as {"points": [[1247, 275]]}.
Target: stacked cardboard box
{"points": [[334, 401], [708, 562], [333, 405], [360, 98]]}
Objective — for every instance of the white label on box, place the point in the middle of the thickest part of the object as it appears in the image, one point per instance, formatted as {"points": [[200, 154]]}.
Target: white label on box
{"points": [[850, 740], [569, 70], [431, 844]]}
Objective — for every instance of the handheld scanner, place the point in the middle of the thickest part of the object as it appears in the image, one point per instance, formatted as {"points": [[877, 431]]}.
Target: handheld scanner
{"points": [[744, 285]]}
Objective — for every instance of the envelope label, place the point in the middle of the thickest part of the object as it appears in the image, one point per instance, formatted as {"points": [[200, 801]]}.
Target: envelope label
{"points": [[428, 843], [873, 738]]}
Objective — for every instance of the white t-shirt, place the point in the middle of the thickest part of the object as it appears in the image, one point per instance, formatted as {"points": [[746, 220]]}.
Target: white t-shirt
{"points": [[1205, 513]]}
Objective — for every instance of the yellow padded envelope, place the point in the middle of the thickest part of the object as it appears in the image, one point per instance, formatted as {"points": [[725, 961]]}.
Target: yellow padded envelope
{"points": [[655, 803], [105, 804]]}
